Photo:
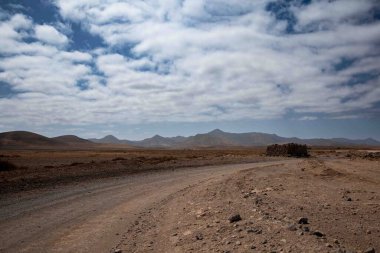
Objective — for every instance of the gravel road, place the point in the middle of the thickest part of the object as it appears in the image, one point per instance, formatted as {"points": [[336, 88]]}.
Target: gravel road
{"points": [[92, 216]]}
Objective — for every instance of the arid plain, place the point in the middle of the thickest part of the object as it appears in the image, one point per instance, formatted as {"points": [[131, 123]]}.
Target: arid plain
{"points": [[157, 200]]}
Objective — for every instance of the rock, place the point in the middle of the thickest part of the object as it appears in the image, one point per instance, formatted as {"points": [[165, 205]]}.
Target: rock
{"points": [[199, 236], [303, 220], [370, 250], [238, 243], [117, 251], [318, 233], [254, 230], [349, 199], [328, 245], [292, 227], [234, 218], [336, 241], [306, 229], [368, 231]]}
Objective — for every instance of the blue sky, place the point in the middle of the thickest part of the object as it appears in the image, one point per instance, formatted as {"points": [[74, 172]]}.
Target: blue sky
{"points": [[179, 67]]}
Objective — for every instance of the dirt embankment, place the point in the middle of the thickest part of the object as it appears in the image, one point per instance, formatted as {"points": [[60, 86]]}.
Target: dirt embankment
{"points": [[303, 206]]}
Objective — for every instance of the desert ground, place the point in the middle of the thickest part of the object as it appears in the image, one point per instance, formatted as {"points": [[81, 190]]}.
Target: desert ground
{"points": [[236, 200]]}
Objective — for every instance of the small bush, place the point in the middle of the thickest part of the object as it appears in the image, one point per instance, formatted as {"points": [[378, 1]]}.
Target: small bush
{"points": [[75, 164], [7, 166], [118, 159], [290, 149]]}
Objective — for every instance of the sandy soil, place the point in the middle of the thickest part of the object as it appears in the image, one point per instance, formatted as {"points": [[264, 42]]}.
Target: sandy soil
{"points": [[339, 197]]}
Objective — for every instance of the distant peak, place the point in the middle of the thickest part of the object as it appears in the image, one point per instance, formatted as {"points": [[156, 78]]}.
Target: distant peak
{"points": [[110, 137], [216, 131], [68, 136], [157, 136]]}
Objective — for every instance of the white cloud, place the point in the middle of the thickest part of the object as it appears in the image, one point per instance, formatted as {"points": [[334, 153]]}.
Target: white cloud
{"points": [[19, 21], [36, 66], [332, 12], [192, 60], [308, 118], [50, 35], [13, 28]]}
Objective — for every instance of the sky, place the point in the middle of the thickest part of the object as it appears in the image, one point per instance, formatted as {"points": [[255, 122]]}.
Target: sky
{"points": [[305, 68]]}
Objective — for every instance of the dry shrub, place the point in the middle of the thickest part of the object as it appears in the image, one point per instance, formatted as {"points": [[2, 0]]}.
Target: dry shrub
{"points": [[7, 166], [118, 159], [75, 164], [289, 149]]}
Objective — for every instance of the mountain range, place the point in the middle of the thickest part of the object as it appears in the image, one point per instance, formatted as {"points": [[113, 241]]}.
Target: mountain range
{"points": [[219, 138], [216, 138], [24, 139]]}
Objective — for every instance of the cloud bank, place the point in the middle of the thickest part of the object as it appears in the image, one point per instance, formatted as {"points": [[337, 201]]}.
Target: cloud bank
{"points": [[192, 61]]}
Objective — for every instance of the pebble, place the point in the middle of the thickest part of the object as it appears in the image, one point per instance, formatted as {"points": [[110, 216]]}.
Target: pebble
{"points": [[303, 220], [254, 230], [292, 227], [370, 250], [234, 218], [318, 233], [199, 236]]}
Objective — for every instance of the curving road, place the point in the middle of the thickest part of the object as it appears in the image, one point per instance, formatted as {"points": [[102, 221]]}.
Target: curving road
{"points": [[92, 216]]}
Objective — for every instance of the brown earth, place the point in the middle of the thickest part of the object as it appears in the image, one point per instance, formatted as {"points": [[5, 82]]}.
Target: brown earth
{"points": [[49, 168], [188, 209], [340, 198]]}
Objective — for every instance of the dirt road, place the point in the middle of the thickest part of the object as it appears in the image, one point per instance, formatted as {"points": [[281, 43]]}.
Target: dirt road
{"points": [[93, 216]]}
